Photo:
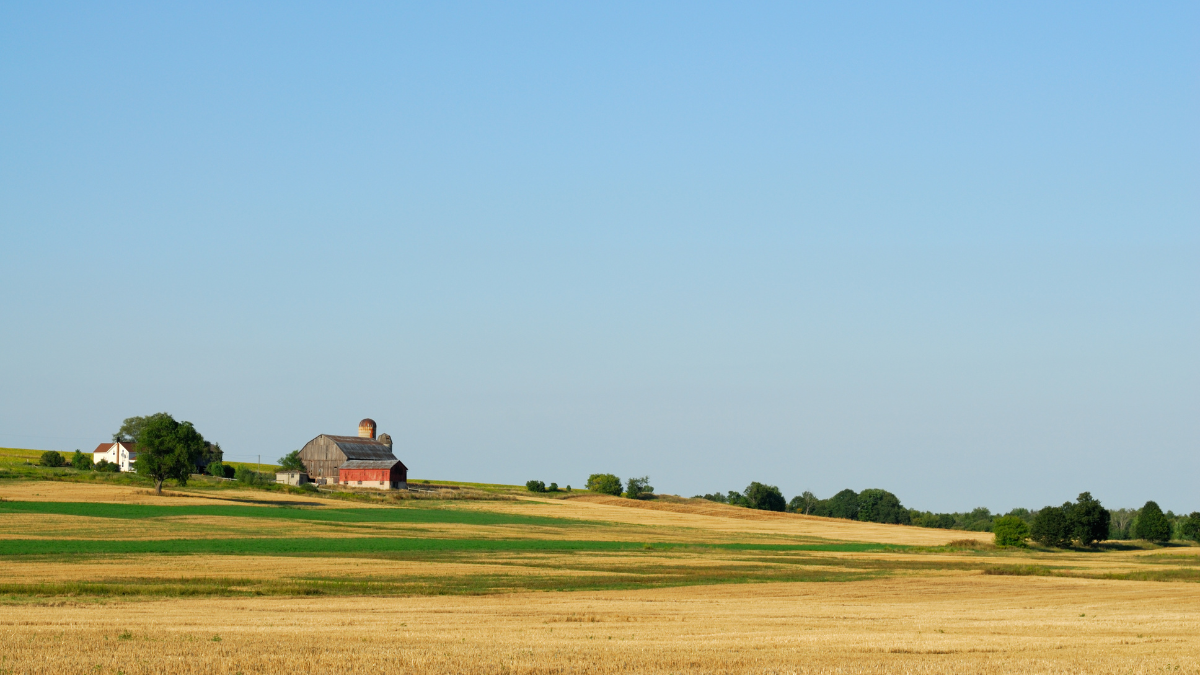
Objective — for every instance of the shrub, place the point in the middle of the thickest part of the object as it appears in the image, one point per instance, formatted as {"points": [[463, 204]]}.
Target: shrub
{"points": [[881, 506], [605, 484], [553, 487], [1050, 526], [216, 469], [103, 466], [1152, 525], [718, 497], [636, 488], [535, 486], [52, 458], [1010, 531], [230, 472], [1190, 528], [81, 461], [249, 476], [764, 497]]}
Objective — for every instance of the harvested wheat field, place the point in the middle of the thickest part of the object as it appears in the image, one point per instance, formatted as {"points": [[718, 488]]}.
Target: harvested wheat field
{"points": [[974, 624], [111, 579]]}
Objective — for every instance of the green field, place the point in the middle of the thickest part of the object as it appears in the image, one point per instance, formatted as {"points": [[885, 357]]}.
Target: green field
{"points": [[225, 538]]}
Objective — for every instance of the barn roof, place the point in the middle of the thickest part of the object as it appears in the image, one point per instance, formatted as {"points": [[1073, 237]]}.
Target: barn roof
{"points": [[357, 447], [370, 464]]}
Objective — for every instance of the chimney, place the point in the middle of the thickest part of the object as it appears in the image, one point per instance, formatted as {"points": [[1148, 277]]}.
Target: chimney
{"points": [[366, 428]]}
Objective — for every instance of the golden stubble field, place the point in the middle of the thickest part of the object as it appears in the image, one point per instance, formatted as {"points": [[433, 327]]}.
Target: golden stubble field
{"points": [[969, 624], [908, 611]]}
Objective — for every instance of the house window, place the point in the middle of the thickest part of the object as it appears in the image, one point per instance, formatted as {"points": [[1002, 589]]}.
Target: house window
{"points": [[360, 482]]}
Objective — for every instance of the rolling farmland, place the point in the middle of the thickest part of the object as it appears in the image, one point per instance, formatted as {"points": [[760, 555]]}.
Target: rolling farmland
{"points": [[109, 578]]}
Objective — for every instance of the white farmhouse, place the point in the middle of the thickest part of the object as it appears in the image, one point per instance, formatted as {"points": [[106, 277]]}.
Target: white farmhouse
{"points": [[121, 454]]}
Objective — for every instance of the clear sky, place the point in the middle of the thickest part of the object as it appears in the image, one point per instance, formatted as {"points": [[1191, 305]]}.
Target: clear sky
{"points": [[951, 250]]}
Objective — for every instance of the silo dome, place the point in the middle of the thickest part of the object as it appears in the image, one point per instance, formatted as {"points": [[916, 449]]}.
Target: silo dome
{"points": [[366, 428]]}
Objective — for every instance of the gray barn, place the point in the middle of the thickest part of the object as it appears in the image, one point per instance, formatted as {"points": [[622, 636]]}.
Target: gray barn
{"points": [[323, 455]]}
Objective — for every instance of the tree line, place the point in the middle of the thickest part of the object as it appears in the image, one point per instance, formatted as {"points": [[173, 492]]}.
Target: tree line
{"points": [[1083, 522]]}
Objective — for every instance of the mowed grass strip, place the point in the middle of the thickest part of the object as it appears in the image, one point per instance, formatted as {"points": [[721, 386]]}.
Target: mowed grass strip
{"points": [[406, 514], [307, 545]]}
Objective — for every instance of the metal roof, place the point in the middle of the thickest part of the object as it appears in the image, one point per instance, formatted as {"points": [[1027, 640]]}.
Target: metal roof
{"points": [[356, 447], [370, 464]]}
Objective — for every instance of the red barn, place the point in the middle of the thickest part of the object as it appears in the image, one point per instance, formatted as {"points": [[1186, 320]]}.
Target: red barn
{"points": [[387, 474], [359, 460]]}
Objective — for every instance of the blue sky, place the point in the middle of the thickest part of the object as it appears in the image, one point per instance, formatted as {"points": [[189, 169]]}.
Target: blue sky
{"points": [[951, 251]]}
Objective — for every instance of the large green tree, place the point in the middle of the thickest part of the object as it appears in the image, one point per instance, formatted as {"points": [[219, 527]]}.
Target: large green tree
{"points": [[292, 461], [881, 506], [1190, 529], [842, 505], [167, 449], [605, 484], [132, 427], [803, 503], [636, 488], [1152, 525], [765, 497]]}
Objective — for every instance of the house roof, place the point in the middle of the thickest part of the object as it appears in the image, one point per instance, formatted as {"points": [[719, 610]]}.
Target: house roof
{"points": [[105, 447], [356, 447], [370, 464]]}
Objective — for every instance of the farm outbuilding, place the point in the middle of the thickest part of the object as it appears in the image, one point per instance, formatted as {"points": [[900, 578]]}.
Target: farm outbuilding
{"points": [[388, 474], [291, 477], [355, 460]]}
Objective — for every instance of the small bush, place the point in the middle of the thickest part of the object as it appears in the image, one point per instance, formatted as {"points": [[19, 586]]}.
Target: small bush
{"points": [[535, 486], [103, 466], [553, 487], [1010, 531], [605, 484], [216, 468], [52, 458]]}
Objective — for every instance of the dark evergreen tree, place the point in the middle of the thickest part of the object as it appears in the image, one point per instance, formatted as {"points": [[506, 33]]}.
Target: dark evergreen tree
{"points": [[1089, 520], [1152, 525], [1050, 526]]}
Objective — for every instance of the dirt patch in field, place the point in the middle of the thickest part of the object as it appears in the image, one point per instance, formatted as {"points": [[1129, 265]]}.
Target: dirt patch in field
{"points": [[712, 517]]}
